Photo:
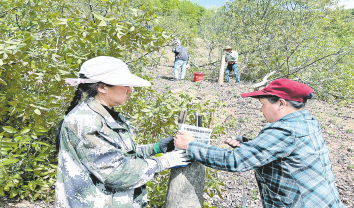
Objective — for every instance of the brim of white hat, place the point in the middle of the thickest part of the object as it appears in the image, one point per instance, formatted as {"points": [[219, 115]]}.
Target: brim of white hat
{"points": [[126, 80]]}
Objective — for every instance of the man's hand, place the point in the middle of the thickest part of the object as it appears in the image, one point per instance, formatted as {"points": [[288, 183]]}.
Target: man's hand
{"points": [[182, 139], [234, 141]]}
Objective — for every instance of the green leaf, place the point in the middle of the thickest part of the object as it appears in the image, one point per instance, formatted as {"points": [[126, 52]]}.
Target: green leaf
{"points": [[9, 161], [64, 72], [9, 129], [32, 185], [2, 193], [57, 77], [40, 129], [119, 34], [43, 143], [53, 166], [98, 16], [38, 112], [13, 193], [17, 138], [102, 23], [25, 130], [2, 81], [62, 22], [69, 61]]}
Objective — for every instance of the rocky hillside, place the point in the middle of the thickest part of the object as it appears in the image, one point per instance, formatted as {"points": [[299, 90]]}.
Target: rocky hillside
{"points": [[243, 117]]}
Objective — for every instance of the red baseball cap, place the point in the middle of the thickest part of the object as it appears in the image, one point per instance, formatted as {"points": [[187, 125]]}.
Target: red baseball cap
{"points": [[284, 88]]}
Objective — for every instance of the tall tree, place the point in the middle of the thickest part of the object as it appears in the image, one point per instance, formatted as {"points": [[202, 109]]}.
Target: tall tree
{"points": [[304, 40]]}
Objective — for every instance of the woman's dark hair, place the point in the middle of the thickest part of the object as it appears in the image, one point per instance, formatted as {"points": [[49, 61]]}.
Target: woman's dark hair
{"points": [[295, 104], [90, 89]]}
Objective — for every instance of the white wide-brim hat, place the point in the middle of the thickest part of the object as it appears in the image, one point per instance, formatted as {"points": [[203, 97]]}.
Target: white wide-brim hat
{"points": [[227, 48], [108, 70]]}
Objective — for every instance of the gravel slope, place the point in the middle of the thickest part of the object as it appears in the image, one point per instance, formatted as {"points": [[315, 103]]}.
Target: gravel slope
{"points": [[244, 118]]}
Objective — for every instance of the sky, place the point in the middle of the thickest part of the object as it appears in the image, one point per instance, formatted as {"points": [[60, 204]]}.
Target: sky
{"points": [[348, 3], [213, 3]]}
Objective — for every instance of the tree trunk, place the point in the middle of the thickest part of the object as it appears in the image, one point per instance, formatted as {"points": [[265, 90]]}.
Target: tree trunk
{"points": [[186, 187], [222, 70], [222, 66]]}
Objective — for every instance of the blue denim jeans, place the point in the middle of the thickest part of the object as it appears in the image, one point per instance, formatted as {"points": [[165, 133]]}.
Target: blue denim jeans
{"points": [[180, 64], [227, 72]]}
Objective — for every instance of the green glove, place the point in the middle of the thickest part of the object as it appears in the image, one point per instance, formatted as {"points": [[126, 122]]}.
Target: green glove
{"points": [[174, 159], [164, 145]]}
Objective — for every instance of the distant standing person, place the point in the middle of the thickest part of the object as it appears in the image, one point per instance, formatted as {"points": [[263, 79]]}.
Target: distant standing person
{"points": [[181, 59], [231, 58]]}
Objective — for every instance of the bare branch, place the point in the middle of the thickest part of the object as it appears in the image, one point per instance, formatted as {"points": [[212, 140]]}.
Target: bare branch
{"points": [[264, 82], [297, 69], [211, 63], [145, 54], [91, 9]]}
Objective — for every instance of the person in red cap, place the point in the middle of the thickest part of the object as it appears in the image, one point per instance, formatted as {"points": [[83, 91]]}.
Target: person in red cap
{"points": [[290, 158]]}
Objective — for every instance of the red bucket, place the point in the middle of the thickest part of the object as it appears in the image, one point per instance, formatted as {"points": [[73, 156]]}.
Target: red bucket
{"points": [[198, 76]]}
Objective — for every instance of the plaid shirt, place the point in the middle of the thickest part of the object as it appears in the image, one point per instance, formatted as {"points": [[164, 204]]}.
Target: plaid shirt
{"points": [[290, 159]]}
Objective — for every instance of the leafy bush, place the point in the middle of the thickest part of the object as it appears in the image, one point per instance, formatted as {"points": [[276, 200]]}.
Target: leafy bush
{"points": [[44, 42], [155, 117]]}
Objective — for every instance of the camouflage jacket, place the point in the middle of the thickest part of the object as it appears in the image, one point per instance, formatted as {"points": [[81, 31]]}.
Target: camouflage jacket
{"points": [[99, 162]]}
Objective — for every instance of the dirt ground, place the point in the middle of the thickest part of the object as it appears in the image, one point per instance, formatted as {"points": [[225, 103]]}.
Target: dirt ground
{"points": [[244, 118]]}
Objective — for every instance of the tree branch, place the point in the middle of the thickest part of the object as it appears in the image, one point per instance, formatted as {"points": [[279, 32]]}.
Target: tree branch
{"points": [[264, 82], [145, 55], [91, 9], [297, 69]]}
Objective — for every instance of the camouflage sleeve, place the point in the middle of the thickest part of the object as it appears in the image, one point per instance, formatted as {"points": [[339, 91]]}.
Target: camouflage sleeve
{"points": [[111, 165], [145, 151]]}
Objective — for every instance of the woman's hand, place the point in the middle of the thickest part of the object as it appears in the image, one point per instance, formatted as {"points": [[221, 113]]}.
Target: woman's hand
{"points": [[182, 139], [166, 144]]}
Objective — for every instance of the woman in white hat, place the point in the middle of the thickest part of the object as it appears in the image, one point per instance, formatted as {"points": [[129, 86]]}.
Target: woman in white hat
{"points": [[100, 164]]}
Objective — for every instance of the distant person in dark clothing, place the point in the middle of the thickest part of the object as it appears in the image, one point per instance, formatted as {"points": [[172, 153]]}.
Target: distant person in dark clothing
{"points": [[181, 59]]}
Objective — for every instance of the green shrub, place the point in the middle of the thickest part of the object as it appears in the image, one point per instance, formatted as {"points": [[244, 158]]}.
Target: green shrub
{"points": [[44, 42], [41, 44]]}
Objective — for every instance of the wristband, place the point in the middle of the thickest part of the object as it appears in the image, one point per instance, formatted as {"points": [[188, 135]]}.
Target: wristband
{"points": [[156, 147]]}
